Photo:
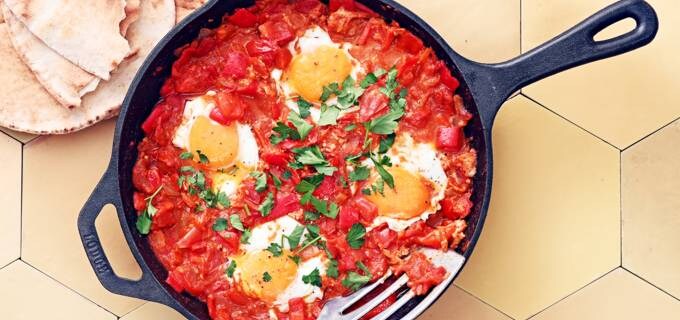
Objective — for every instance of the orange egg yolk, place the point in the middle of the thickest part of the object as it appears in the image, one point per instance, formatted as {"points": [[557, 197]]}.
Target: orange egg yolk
{"points": [[219, 143], [409, 198], [309, 73], [253, 265]]}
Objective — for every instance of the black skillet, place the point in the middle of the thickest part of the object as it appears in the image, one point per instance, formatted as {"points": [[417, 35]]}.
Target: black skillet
{"points": [[483, 86]]}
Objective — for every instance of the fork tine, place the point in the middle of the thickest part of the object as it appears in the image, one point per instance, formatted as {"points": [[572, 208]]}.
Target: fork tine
{"points": [[395, 306], [334, 308], [368, 306]]}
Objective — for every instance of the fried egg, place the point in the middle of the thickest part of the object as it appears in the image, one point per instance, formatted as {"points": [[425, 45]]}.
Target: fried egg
{"points": [[231, 149], [419, 184], [317, 62], [286, 276]]}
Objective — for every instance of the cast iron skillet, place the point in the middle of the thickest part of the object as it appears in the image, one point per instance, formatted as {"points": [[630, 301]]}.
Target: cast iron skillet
{"points": [[483, 86]]}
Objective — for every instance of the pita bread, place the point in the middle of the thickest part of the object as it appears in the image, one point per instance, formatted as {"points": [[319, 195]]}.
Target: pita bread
{"points": [[186, 7], [29, 108], [87, 33], [131, 15], [65, 81]]}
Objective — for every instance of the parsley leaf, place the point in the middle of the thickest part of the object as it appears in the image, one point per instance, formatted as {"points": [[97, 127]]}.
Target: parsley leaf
{"points": [[236, 223], [245, 237], [186, 155], [284, 132], [355, 236], [359, 174], [275, 249], [332, 270], [267, 205], [144, 220], [329, 115], [313, 156], [385, 124], [295, 259], [309, 184], [304, 107], [303, 127], [220, 224], [231, 268], [202, 158], [355, 281], [266, 277], [363, 268], [379, 186], [386, 143], [329, 90], [312, 216], [260, 180], [286, 175], [369, 80], [223, 199], [294, 237], [314, 278], [384, 174], [277, 181], [350, 127], [366, 191]]}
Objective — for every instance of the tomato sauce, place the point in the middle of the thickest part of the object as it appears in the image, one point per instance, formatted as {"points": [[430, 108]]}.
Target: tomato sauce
{"points": [[235, 60]]}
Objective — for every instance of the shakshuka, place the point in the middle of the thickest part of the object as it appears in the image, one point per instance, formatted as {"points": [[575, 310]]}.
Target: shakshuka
{"points": [[300, 151]]}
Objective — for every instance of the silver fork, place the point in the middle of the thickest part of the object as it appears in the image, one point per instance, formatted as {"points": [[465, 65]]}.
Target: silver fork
{"points": [[333, 310]]}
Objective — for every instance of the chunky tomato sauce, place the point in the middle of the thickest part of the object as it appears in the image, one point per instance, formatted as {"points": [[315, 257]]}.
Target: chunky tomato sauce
{"points": [[236, 62]]}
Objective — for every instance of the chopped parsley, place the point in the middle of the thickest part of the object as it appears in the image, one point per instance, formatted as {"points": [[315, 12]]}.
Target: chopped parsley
{"points": [[245, 237], [144, 220], [329, 115], [366, 191], [350, 127], [312, 156], [202, 158], [260, 180], [283, 132], [220, 224], [303, 127], [266, 277], [275, 249], [223, 200], [267, 205], [309, 184], [232, 267], [286, 175], [332, 270], [355, 281], [314, 278], [386, 143], [277, 181], [236, 223], [295, 236], [359, 173], [327, 208], [304, 107], [186, 155], [295, 259], [355, 236], [386, 124], [312, 216]]}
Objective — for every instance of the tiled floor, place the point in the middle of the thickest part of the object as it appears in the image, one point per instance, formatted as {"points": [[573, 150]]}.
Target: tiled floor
{"points": [[584, 217]]}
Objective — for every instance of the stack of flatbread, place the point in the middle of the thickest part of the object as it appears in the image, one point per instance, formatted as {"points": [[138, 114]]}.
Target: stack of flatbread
{"points": [[67, 64]]}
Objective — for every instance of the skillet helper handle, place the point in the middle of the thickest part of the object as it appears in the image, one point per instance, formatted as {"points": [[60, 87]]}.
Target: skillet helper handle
{"points": [[572, 48], [105, 193]]}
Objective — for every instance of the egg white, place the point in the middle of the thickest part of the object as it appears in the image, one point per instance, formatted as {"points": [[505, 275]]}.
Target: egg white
{"points": [[421, 159], [272, 232], [311, 40]]}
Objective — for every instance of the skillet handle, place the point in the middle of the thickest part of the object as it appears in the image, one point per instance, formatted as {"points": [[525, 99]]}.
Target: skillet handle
{"points": [[493, 83], [106, 192]]}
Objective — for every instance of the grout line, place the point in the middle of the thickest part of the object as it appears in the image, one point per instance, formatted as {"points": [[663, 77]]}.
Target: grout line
{"points": [[573, 293], [9, 263], [134, 309], [69, 288], [651, 284], [11, 137], [573, 123], [484, 302], [651, 133], [621, 207], [21, 206]]}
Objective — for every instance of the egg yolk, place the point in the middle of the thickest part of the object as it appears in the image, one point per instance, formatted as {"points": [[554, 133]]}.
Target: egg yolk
{"points": [[309, 73], [219, 143], [253, 266], [409, 198]]}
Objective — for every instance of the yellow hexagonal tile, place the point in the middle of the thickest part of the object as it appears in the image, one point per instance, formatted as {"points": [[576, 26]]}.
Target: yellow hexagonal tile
{"points": [[618, 295], [152, 310], [59, 174], [621, 99], [651, 208], [459, 304], [21, 136], [10, 198], [28, 294], [553, 224], [486, 31]]}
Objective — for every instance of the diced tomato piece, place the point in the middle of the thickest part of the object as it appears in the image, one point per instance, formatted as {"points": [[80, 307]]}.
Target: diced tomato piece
{"points": [[258, 47], [243, 18], [230, 240], [458, 208], [307, 6], [249, 90], [151, 123], [450, 139], [285, 204], [236, 65], [139, 201], [277, 31], [282, 58], [175, 281], [347, 217], [367, 209], [327, 188], [191, 237], [296, 309], [275, 157], [386, 237], [231, 107], [409, 42], [446, 78], [334, 5], [380, 307], [372, 104], [422, 274]]}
